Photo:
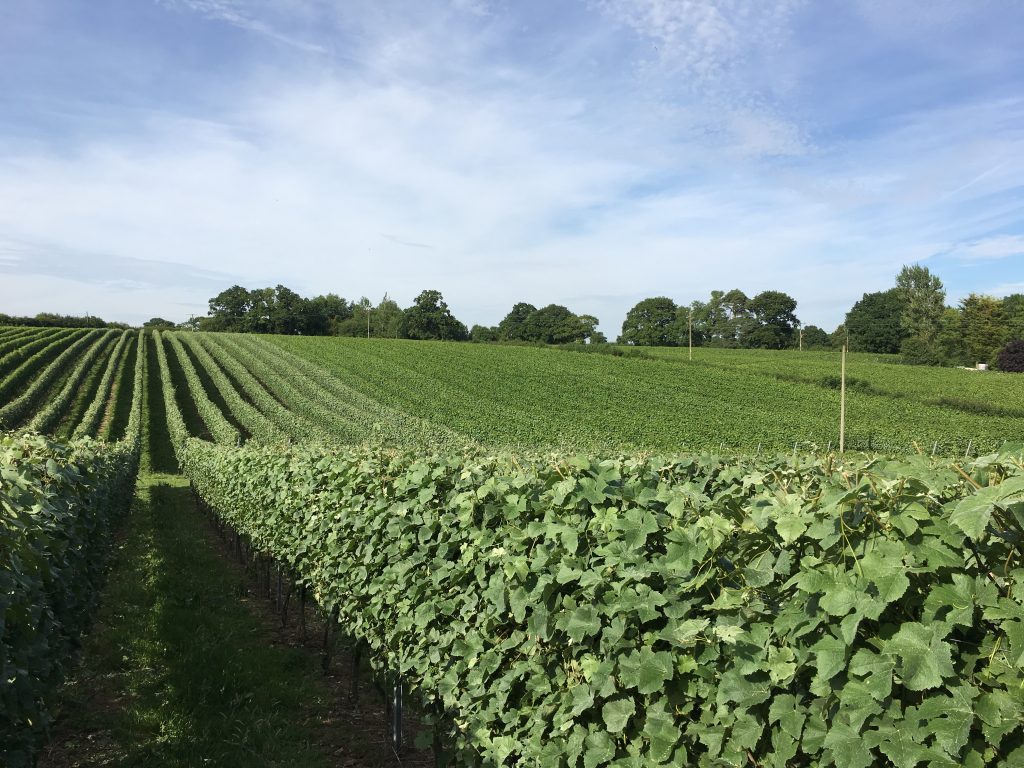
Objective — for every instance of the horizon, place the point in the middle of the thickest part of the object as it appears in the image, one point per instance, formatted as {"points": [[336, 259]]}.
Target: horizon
{"points": [[591, 155]]}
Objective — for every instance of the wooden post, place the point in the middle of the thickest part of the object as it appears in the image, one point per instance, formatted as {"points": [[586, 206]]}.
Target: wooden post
{"points": [[691, 333], [801, 339], [842, 403]]}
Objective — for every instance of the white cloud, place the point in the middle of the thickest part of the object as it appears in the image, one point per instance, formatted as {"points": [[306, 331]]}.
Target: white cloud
{"points": [[702, 38], [985, 249], [239, 13]]}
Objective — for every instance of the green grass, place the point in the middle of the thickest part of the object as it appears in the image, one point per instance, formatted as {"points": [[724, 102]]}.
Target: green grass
{"points": [[178, 670], [515, 396]]}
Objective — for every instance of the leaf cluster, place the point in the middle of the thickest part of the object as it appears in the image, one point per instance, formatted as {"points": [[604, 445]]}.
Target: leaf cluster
{"points": [[642, 611]]}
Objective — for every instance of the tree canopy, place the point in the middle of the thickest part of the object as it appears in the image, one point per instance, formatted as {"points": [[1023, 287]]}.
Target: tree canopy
{"points": [[875, 323], [430, 318], [651, 323]]}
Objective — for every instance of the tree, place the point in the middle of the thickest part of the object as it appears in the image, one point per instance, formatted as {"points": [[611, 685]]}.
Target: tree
{"points": [[324, 313], [357, 322], [651, 323], [1011, 357], [482, 334], [554, 324], [816, 338], [430, 318], [159, 324], [230, 308], [775, 321], [948, 348], [511, 327], [983, 327], [588, 330], [924, 300], [386, 319], [1013, 309], [875, 323]]}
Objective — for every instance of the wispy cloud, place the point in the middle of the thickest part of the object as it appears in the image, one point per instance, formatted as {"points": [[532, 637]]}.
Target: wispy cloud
{"points": [[989, 248], [238, 13], [588, 153]]}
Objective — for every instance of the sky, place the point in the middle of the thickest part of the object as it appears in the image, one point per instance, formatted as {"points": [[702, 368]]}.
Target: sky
{"points": [[589, 153]]}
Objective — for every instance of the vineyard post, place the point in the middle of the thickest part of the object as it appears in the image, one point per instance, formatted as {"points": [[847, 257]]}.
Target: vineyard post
{"points": [[691, 332], [842, 403], [801, 339]]}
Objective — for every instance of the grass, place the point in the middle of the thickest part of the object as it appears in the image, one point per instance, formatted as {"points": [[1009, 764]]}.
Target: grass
{"points": [[511, 396], [178, 670]]}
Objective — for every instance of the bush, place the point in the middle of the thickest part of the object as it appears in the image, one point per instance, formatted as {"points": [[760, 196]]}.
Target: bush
{"points": [[916, 351], [1011, 357]]}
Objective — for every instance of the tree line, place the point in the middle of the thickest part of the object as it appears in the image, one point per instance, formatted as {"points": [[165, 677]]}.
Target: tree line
{"points": [[910, 319], [53, 320]]}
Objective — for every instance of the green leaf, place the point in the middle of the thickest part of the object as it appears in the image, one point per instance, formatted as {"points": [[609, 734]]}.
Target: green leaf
{"points": [[876, 670], [646, 670], [583, 621], [830, 660], [616, 714], [897, 742], [924, 658], [847, 747], [660, 727], [790, 527]]}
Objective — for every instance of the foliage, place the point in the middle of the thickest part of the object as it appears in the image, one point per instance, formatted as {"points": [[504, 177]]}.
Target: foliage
{"points": [[90, 420], [58, 505], [875, 323], [536, 397], [430, 318], [775, 321], [983, 327], [511, 326], [816, 338], [54, 320], [923, 299], [159, 324], [694, 611], [1011, 357], [553, 324], [652, 323], [15, 411], [482, 334]]}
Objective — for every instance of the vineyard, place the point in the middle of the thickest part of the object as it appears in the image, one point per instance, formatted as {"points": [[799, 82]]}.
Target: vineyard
{"points": [[570, 560]]}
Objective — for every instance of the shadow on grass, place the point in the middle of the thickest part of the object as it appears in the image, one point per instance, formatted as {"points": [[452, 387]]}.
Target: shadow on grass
{"points": [[159, 451], [124, 389], [178, 672]]}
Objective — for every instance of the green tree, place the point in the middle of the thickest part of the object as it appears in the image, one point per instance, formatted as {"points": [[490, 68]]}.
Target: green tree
{"points": [[483, 334], [554, 324], [159, 324], [430, 318], [323, 313], [816, 338], [651, 323], [924, 300], [511, 327], [775, 321], [983, 327], [948, 347], [230, 308], [875, 323], [357, 322], [1013, 309], [386, 319]]}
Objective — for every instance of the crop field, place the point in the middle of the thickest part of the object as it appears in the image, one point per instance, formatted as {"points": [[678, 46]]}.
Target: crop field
{"points": [[552, 549], [547, 398]]}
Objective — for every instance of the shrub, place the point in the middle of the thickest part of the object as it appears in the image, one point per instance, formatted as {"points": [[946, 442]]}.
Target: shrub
{"points": [[1011, 357]]}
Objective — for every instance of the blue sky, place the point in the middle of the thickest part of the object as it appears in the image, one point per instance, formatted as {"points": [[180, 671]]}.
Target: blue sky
{"points": [[583, 152]]}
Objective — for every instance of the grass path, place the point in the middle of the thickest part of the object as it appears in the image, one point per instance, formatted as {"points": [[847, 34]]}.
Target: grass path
{"points": [[181, 668]]}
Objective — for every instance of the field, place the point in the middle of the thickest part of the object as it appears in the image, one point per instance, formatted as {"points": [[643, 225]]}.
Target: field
{"points": [[572, 560]]}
